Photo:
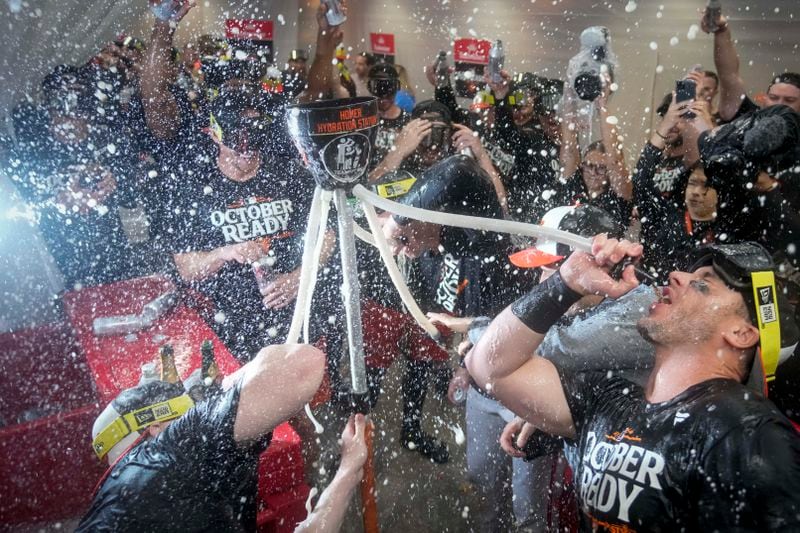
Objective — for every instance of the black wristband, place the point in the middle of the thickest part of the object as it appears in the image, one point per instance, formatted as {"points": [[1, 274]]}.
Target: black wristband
{"points": [[544, 305]]}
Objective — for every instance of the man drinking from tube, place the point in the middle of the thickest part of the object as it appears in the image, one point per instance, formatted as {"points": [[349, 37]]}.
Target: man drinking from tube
{"points": [[693, 449], [476, 279]]}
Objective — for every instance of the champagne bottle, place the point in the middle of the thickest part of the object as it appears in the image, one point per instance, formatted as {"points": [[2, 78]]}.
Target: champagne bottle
{"points": [[335, 15], [497, 59], [169, 372], [442, 69], [211, 373]]}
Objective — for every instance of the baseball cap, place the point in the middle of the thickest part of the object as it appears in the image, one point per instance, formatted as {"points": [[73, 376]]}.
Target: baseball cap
{"points": [[134, 410], [583, 220], [432, 107], [749, 269]]}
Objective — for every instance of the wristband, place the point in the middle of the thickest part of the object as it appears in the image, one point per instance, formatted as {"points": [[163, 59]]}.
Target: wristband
{"points": [[663, 138], [544, 305]]}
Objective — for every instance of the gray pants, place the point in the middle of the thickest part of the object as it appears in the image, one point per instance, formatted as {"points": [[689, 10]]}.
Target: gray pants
{"points": [[500, 479]]}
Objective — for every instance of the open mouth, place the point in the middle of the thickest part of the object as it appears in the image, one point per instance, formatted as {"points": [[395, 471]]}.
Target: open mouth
{"points": [[664, 296]]}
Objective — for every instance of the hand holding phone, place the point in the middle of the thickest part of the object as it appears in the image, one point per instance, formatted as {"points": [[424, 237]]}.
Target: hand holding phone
{"points": [[685, 90]]}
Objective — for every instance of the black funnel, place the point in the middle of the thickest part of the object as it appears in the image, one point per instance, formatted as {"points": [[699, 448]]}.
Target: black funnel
{"points": [[335, 138]]}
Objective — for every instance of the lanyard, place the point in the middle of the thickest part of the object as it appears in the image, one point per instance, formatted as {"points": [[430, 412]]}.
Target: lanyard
{"points": [[690, 228]]}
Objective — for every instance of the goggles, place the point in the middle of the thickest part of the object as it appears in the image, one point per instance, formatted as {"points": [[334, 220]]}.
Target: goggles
{"points": [[521, 99], [482, 100], [138, 420], [439, 136], [383, 87]]}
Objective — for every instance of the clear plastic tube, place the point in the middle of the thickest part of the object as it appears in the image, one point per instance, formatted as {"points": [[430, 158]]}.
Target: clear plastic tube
{"points": [[364, 235], [395, 274], [325, 207], [303, 294], [478, 223]]}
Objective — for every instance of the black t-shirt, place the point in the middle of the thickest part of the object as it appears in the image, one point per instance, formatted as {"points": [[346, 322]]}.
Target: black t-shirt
{"points": [[717, 457], [388, 129], [670, 179], [192, 477], [211, 211], [702, 231]]}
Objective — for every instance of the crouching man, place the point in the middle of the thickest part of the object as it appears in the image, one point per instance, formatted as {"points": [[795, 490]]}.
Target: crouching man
{"points": [[695, 448], [177, 466]]}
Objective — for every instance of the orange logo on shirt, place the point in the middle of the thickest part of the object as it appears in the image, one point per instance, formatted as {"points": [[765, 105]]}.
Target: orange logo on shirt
{"points": [[624, 435]]}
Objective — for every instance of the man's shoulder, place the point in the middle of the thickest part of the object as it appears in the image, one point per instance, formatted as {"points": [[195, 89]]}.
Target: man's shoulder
{"points": [[729, 408], [607, 386]]}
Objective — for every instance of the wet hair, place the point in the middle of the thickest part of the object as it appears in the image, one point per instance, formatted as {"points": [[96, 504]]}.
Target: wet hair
{"points": [[713, 75], [792, 78]]}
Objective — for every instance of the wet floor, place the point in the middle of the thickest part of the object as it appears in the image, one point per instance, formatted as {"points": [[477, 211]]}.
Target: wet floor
{"points": [[413, 493]]}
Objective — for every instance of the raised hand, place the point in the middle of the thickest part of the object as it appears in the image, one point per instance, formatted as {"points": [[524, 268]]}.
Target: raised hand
{"points": [[500, 90], [466, 138], [171, 10], [589, 273], [412, 134]]}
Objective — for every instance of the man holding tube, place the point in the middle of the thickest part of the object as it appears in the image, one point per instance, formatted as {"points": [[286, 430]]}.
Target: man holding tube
{"points": [[695, 448]]}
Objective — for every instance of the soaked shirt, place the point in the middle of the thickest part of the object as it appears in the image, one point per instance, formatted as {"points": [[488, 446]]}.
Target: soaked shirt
{"points": [[717, 457], [271, 209], [192, 477]]}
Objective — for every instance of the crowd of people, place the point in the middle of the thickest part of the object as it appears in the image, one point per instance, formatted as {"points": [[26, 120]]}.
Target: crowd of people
{"points": [[643, 407]]}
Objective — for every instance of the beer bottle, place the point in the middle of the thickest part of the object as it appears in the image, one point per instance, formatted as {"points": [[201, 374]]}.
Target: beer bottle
{"points": [[169, 372], [211, 373]]}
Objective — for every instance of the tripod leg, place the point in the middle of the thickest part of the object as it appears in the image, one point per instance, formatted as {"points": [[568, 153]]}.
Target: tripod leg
{"points": [[325, 206], [355, 339], [351, 294]]}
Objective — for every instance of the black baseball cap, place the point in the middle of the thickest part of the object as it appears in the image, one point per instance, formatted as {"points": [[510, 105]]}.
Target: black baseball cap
{"points": [[239, 117]]}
